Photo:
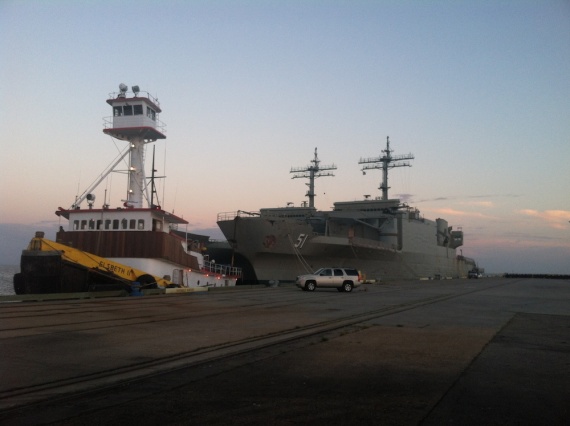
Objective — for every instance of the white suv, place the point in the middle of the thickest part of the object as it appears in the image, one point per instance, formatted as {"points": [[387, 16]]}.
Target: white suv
{"points": [[343, 279]]}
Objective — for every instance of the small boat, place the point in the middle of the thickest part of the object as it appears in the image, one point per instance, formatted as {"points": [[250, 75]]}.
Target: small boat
{"points": [[138, 235]]}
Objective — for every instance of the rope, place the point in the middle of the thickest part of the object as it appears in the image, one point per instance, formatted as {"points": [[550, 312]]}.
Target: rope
{"points": [[303, 262]]}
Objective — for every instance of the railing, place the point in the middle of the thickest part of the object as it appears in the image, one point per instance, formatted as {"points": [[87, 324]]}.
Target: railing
{"points": [[142, 94], [108, 123], [232, 215], [225, 270]]}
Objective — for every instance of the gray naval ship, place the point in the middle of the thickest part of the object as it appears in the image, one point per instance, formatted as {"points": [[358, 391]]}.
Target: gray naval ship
{"points": [[383, 238]]}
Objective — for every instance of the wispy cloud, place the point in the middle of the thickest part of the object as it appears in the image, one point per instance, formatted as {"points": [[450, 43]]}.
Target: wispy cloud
{"points": [[486, 204], [554, 218], [517, 242], [459, 197], [404, 197], [463, 213]]}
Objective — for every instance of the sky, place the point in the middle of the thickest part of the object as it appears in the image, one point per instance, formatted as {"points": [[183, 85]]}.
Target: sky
{"points": [[477, 91]]}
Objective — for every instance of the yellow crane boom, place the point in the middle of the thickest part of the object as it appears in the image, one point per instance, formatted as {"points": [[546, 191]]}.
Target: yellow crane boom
{"points": [[94, 262]]}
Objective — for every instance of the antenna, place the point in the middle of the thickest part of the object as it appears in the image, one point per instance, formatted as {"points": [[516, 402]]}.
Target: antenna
{"points": [[152, 184], [311, 172], [387, 161]]}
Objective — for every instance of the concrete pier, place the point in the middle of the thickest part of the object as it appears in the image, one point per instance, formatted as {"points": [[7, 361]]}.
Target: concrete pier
{"points": [[469, 352]]}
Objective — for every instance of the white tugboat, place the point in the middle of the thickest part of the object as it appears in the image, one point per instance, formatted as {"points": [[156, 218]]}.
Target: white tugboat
{"points": [[106, 247]]}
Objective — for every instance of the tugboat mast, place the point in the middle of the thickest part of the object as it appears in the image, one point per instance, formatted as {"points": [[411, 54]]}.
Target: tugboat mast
{"points": [[387, 161], [311, 172], [135, 120]]}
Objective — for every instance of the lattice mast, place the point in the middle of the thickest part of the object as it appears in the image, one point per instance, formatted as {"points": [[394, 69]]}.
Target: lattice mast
{"points": [[311, 172], [387, 161]]}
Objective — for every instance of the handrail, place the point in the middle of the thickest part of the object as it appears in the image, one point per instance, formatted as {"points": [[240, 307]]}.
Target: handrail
{"points": [[232, 215], [160, 126], [226, 270]]}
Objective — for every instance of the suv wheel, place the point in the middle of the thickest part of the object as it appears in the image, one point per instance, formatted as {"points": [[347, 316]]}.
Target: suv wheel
{"points": [[347, 287], [310, 286]]}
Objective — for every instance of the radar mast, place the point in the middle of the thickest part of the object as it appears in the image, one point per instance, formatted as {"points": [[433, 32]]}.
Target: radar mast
{"points": [[311, 172], [387, 161]]}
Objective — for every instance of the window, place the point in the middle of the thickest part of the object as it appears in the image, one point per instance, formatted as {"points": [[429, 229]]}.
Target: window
{"points": [[128, 110], [75, 225], [141, 223], [150, 113], [91, 224], [117, 111], [115, 223], [138, 109], [338, 273], [124, 224], [99, 223], [326, 273], [132, 224], [107, 223], [83, 224]]}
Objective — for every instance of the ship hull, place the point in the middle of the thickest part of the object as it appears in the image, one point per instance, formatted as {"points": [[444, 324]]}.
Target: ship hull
{"points": [[84, 261], [280, 249], [49, 272], [158, 253], [374, 265]]}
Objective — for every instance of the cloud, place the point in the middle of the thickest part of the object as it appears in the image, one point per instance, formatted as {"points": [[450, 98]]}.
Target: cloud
{"points": [[557, 219], [463, 213], [456, 197], [486, 204], [518, 240], [404, 197]]}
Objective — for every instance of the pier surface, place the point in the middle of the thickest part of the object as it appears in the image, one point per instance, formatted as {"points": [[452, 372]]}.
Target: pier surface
{"points": [[462, 352]]}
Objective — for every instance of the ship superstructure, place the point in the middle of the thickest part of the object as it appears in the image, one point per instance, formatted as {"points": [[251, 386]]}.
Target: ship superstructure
{"points": [[382, 237]]}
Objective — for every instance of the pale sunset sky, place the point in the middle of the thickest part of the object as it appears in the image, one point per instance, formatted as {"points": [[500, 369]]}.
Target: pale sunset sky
{"points": [[477, 91]]}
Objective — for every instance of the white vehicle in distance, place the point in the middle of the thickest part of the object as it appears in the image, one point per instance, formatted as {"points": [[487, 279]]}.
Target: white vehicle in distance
{"points": [[343, 279]]}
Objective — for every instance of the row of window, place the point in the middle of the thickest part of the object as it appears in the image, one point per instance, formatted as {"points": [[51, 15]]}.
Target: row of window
{"points": [[119, 111], [108, 224]]}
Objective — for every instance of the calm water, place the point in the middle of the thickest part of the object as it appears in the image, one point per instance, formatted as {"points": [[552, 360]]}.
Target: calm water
{"points": [[6, 279]]}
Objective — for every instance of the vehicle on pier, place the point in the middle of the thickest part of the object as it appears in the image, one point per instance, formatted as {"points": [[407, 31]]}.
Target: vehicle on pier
{"points": [[343, 279]]}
